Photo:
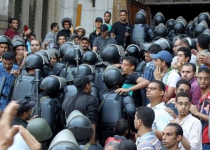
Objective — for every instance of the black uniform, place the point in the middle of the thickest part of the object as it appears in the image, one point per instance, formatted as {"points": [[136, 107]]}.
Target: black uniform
{"points": [[64, 32], [85, 103], [20, 121], [92, 37]]}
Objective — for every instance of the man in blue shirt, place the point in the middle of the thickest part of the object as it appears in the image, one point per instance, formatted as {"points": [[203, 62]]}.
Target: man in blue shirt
{"points": [[10, 71]]}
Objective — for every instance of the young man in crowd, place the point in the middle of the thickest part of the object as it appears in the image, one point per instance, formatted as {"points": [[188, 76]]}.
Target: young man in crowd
{"points": [[97, 32], [172, 135], [107, 18], [146, 139], [50, 37], [30, 38], [164, 73], [85, 43], [10, 71], [133, 81], [121, 30], [188, 72], [35, 46], [191, 126], [204, 106]]}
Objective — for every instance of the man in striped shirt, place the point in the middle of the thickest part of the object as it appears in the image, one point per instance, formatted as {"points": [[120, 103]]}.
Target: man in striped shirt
{"points": [[146, 140]]}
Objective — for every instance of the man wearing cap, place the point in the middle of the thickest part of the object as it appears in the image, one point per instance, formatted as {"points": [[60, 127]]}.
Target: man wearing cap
{"points": [[24, 112], [85, 43], [164, 73], [97, 32], [66, 24], [102, 41], [83, 101]]}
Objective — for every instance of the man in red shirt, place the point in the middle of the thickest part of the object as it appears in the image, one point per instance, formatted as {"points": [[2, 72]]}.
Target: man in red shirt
{"points": [[13, 30], [204, 105]]}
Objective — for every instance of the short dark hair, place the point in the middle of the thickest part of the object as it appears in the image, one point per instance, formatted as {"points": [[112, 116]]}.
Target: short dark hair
{"points": [[127, 145], [204, 41], [8, 56], [123, 10], [32, 34], [192, 65], [204, 70], [131, 60], [143, 112], [108, 12], [154, 49], [183, 94], [121, 127], [12, 19], [160, 84], [179, 130], [186, 51], [183, 81], [54, 24]]}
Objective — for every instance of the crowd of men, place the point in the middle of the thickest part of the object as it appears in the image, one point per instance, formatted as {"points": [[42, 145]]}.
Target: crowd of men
{"points": [[125, 87]]}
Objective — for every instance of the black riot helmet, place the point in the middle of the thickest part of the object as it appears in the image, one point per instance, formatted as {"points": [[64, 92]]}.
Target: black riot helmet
{"points": [[52, 84], [17, 43], [90, 57], [165, 44], [189, 28], [34, 61], [195, 22], [79, 125], [66, 19], [170, 24], [112, 76], [158, 18], [200, 28], [161, 30], [140, 17], [84, 69], [64, 47], [5, 40], [206, 31], [53, 53], [111, 54], [179, 25], [44, 55], [204, 16], [64, 140], [133, 50], [70, 54]]}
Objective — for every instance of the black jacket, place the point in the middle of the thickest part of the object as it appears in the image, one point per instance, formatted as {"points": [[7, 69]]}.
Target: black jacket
{"points": [[64, 32], [85, 103], [20, 121]]}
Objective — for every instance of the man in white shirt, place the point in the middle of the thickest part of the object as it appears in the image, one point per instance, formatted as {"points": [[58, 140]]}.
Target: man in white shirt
{"points": [[191, 126], [155, 92]]}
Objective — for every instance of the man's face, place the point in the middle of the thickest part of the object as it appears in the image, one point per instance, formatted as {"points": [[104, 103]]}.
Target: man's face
{"points": [[14, 25], [183, 88], [35, 46], [177, 45], [148, 58], [183, 106], [136, 122], [19, 50], [187, 73], [77, 40], [80, 32], [85, 45], [67, 25], [3, 48], [107, 17], [31, 38], [98, 24], [123, 16], [169, 137], [7, 64], [28, 114], [158, 63], [104, 34], [203, 80], [56, 29], [53, 60], [153, 91], [61, 40], [181, 57], [126, 67]]}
